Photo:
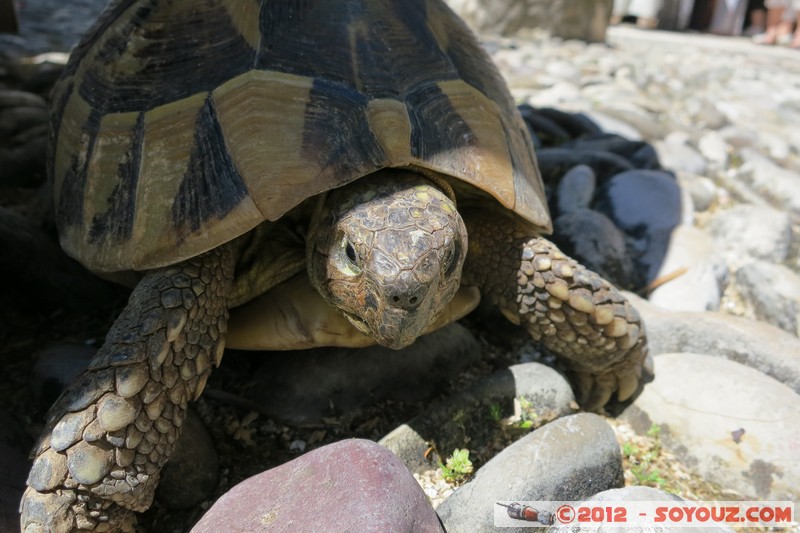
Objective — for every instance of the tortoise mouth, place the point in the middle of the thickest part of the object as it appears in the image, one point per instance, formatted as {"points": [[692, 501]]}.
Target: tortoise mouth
{"points": [[359, 323], [393, 336]]}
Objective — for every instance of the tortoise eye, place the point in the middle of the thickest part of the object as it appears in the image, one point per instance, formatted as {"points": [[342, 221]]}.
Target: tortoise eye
{"points": [[447, 260], [450, 257], [351, 253], [347, 258]]}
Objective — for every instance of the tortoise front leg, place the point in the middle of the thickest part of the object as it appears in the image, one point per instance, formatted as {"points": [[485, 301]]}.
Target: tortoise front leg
{"points": [[568, 308], [112, 430]]}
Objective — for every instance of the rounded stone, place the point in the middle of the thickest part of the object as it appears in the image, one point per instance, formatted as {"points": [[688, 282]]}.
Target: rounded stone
{"points": [[747, 232], [756, 344], [353, 485], [576, 189], [568, 459], [192, 472], [593, 240], [701, 401], [646, 205], [772, 293], [693, 276]]}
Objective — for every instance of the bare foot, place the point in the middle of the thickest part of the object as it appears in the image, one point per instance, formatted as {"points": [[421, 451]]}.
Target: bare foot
{"points": [[768, 38]]}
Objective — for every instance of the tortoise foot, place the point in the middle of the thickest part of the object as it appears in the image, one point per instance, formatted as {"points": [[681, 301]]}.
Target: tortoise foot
{"points": [[66, 511], [582, 317], [571, 310], [110, 433]]}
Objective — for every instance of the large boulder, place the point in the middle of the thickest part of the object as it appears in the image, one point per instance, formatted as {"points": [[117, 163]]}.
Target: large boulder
{"points": [[570, 19], [351, 485]]}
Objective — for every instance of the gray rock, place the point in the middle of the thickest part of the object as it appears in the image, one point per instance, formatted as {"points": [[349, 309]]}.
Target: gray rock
{"points": [[302, 388], [576, 189], [555, 95], [775, 145], [593, 240], [738, 137], [563, 70], [645, 204], [714, 149], [701, 275], [755, 344], [569, 459], [48, 27], [611, 124], [353, 485], [705, 115], [702, 404], [570, 19], [192, 473], [649, 125], [680, 157], [701, 189], [772, 293], [634, 494], [547, 391], [772, 181], [747, 232]]}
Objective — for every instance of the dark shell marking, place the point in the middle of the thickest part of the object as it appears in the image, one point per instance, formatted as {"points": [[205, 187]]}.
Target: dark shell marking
{"points": [[181, 125], [211, 186]]}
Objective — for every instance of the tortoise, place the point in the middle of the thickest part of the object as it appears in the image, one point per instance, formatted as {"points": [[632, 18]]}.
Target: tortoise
{"points": [[360, 162]]}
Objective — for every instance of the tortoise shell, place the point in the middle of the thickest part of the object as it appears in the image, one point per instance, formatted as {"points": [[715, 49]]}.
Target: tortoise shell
{"points": [[180, 125]]}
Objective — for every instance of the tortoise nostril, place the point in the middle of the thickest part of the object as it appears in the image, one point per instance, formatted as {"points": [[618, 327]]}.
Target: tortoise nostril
{"points": [[405, 301]]}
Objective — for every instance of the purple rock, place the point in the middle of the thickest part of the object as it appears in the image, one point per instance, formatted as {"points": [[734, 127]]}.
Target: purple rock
{"points": [[353, 485]]}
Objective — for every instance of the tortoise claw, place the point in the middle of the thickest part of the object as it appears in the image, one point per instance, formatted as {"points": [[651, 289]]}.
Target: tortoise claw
{"points": [[602, 388], [63, 511], [595, 391], [628, 384]]}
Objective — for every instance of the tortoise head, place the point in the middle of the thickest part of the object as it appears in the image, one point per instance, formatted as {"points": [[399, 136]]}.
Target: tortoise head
{"points": [[387, 250]]}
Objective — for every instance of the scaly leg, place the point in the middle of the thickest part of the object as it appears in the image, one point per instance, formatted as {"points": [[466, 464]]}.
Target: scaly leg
{"points": [[112, 430], [568, 308]]}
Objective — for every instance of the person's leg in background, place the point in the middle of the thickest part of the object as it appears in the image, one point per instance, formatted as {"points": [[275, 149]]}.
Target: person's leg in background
{"points": [[779, 29], [757, 18], [728, 18]]}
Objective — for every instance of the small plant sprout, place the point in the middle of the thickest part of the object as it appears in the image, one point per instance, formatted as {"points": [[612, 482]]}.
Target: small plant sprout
{"points": [[458, 467], [495, 412], [643, 461], [524, 412]]}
